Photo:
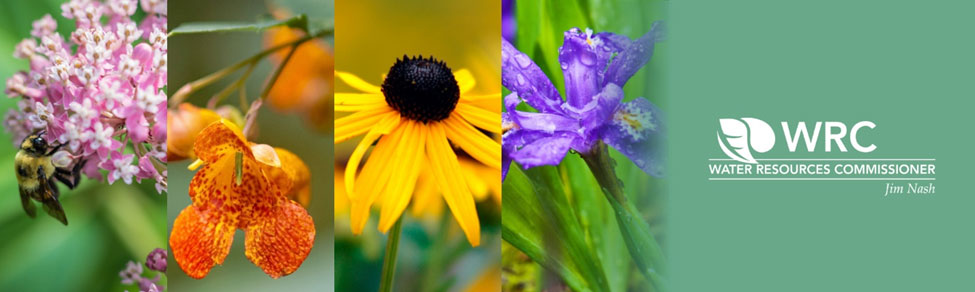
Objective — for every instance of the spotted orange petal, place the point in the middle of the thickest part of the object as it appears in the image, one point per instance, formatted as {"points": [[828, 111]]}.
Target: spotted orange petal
{"points": [[280, 243], [293, 173], [199, 243], [214, 189], [221, 139]]}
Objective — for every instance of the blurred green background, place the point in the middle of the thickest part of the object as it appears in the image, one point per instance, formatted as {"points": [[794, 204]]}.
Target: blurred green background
{"points": [[194, 56], [539, 34], [370, 36], [108, 225]]}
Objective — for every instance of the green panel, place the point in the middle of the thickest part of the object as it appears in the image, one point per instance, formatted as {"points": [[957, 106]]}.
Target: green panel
{"points": [[905, 65]]}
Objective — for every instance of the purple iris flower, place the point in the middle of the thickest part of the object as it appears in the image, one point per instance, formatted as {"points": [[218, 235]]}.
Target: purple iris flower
{"points": [[508, 20], [595, 66]]}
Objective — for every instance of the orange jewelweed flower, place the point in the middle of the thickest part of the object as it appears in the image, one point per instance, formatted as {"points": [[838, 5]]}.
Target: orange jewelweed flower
{"points": [[306, 82], [294, 170], [182, 126], [279, 232]]}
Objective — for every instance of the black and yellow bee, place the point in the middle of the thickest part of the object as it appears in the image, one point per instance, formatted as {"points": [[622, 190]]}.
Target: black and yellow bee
{"points": [[36, 175]]}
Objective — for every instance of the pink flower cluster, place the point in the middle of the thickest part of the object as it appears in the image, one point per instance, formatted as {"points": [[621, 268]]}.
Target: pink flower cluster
{"points": [[98, 92]]}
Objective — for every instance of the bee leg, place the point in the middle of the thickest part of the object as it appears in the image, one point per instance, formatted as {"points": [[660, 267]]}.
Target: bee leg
{"points": [[53, 150], [70, 178], [54, 188], [76, 171], [63, 177]]}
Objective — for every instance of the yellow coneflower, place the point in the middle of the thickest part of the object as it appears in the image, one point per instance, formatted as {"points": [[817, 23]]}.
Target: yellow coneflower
{"points": [[420, 105]]}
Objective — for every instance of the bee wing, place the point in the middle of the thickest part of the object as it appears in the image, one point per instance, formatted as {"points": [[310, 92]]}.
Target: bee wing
{"points": [[49, 197], [28, 205], [53, 207]]}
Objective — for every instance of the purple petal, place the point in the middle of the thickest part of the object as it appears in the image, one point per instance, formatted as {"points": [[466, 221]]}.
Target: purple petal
{"points": [[521, 75], [637, 131], [508, 27], [545, 122], [545, 151], [599, 111], [548, 123], [633, 55], [583, 59]]}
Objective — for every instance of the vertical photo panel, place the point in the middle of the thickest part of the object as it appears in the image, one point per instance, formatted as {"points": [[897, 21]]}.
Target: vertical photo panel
{"points": [[417, 145], [84, 140], [250, 119], [583, 145]]}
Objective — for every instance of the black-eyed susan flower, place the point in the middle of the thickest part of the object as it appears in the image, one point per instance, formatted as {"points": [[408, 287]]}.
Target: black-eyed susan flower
{"points": [[413, 117]]}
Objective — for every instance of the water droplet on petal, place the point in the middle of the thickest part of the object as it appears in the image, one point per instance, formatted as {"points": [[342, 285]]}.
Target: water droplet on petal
{"points": [[565, 66], [523, 60], [588, 59], [521, 80]]}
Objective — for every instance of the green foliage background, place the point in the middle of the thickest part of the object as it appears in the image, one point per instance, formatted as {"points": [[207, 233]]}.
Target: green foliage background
{"points": [[560, 211], [108, 225]]}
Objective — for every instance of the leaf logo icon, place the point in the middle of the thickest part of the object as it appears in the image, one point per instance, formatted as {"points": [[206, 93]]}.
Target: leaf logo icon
{"points": [[738, 137]]}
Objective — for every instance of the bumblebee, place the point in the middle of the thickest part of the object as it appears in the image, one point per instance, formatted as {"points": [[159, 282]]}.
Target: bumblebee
{"points": [[36, 175]]}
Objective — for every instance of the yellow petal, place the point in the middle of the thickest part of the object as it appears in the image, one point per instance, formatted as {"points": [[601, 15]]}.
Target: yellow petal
{"points": [[491, 102], [446, 170], [465, 80], [357, 82], [475, 143], [353, 102], [359, 107], [427, 196], [476, 183], [358, 98], [384, 126], [376, 175], [405, 170], [481, 118], [358, 123]]}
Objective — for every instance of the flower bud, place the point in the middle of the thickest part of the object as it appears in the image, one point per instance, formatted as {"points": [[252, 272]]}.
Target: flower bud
{"points": [[182, 127]]}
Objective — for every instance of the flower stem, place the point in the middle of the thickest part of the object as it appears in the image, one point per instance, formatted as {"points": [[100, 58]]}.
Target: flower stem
{"points": [[196, 85], [277, 72], [636, 232], [389, 261], [218, 98], [436, 256]]}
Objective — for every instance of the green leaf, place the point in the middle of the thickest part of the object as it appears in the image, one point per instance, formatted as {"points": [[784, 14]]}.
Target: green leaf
{"points": [[320, 13], [639, 240], [529, 19], [299, 21], [598, 221], [539, 221]]}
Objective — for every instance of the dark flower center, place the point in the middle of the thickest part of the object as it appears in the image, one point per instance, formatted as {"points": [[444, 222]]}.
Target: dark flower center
{"points": [[421, 89]]}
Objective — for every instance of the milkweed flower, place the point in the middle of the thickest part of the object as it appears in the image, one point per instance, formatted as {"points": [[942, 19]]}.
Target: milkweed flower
{"points": [[132, 274], [237, 189], [420, 108], [98, 89], [156, 260], [595, 67]]}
